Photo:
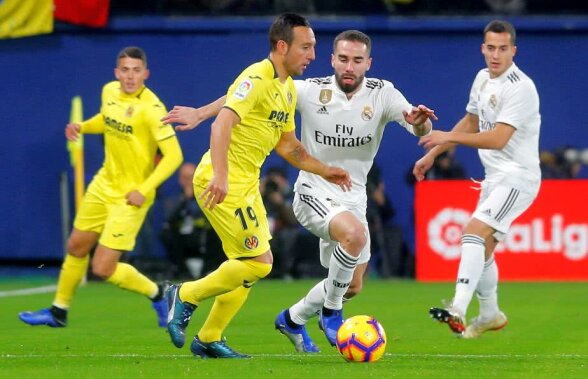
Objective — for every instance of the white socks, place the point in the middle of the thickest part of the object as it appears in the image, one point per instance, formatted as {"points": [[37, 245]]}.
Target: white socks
{"points": [[487, 290], [310, 305], [470, 270], [341, 269], [328, 292]]}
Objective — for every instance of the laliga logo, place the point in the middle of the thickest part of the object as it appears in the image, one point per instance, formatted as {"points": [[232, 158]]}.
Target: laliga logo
{"points": [[539, 236], [444, 232]]}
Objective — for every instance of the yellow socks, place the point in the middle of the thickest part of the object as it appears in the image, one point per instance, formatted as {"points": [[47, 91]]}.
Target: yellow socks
{"points": [[72, 271], [127, 277], [224, 309]]}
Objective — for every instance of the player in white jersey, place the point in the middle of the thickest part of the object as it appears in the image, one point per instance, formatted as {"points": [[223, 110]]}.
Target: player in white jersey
{"points": [[502, 122], [343, 119]]}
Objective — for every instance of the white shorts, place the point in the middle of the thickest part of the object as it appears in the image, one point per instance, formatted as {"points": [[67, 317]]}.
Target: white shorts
{"points": [[315, 214], [499, 205]]}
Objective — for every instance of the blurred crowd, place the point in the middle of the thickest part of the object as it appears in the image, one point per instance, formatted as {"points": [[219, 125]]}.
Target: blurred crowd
{"points": [[345, 7]]}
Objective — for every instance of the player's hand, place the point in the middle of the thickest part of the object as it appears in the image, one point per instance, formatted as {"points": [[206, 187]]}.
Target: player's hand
{"points": [[187, 117], [422, 166], [72, 131], [216, 192], [339, 177], [435, 138], [419, 115], [135, 198]]}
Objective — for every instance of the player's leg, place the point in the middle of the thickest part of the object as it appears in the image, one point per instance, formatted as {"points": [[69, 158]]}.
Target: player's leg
{"points": [[119, 236], [351, 236], [241, 224], [470, 270], [490, 317], [88, 225], [208, 343]]}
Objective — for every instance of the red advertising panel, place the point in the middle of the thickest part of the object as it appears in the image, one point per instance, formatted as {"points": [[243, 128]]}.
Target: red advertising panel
{"points": [[549, 242]]}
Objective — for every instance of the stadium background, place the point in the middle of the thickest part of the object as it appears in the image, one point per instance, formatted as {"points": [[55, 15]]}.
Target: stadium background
{"points": [[432, 60]]}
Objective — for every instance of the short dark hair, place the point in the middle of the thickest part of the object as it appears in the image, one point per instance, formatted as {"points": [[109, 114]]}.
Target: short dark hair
{"points": [[132, 52], [283, 26], [354, 36], [500, 26]]}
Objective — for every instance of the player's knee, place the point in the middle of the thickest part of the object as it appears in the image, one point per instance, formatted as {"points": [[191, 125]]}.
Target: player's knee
{"points": [[77, 247], [355, 239], [101, 270]]}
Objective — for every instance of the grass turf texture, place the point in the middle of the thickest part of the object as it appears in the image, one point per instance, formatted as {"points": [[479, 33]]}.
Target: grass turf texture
{"points": [[113, 334]]}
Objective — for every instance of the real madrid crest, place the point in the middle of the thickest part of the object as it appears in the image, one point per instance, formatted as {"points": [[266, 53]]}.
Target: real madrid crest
{"points": [[130, 111], [367, 113], [325, 96], [492, 101]]}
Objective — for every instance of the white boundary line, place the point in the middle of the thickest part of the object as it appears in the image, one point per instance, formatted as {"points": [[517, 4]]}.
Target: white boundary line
{"points": [[459, 356], [28, 291]]}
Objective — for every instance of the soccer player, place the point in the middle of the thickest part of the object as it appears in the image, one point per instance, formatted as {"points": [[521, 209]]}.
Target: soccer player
{"points": [[502, 121], [258, 116], [343, 120], [121, 193]]}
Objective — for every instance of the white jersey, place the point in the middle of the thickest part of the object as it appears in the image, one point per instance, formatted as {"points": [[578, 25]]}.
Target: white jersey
{"points": [[345, 133], [511, 99]]}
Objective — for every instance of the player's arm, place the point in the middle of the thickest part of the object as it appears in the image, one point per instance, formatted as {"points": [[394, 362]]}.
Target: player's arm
{"points": [[189, 118], [290, 148], [494, 139], [220, 139], [94, 125], [420, 119], [172, 159], [467, 125]]}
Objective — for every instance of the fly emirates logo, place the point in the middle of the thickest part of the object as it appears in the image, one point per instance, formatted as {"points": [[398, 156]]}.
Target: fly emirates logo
{"points": [[549, 235]]}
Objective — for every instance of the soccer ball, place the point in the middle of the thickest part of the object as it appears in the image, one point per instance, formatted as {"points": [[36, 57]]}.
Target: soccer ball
{"points": [[361, 339]]}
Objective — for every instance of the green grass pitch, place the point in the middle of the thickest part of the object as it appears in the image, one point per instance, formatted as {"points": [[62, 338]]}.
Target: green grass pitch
{"points": [[113, 334]]}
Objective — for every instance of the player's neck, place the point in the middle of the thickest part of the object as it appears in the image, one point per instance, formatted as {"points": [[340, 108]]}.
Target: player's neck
{"points": [[279, 68]]}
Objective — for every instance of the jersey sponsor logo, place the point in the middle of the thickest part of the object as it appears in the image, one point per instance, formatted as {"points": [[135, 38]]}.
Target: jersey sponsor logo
{"points": [[340, 141], [322, 110], [243, 89], [130, 111], [343, 138], [485, 125], [325, 96], [118, 126], [367, 113], [279, 116], [251, 242]]}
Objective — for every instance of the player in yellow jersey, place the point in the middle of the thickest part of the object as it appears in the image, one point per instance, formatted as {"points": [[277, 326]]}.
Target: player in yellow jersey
{"points": [[257, 117], [121, 193]]}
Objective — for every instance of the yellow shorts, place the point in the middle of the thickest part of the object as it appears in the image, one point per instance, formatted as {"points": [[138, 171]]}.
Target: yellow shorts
{"points": [[117, 223], [240, 220]]}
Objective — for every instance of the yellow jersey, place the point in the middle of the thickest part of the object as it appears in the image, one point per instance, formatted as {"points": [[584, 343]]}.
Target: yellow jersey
{"points": [[266, 108], [131, 126]]}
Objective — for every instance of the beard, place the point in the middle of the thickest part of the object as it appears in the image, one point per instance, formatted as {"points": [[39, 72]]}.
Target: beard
{"points": [[348, 87]]}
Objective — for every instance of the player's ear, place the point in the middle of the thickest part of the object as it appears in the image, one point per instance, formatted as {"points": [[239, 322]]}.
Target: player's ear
{"points": [[369, 63], [147, 73], [333, 60]]}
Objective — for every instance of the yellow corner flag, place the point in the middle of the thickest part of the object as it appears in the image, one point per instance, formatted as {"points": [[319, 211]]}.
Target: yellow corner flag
{"points": [[76, 150]]}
